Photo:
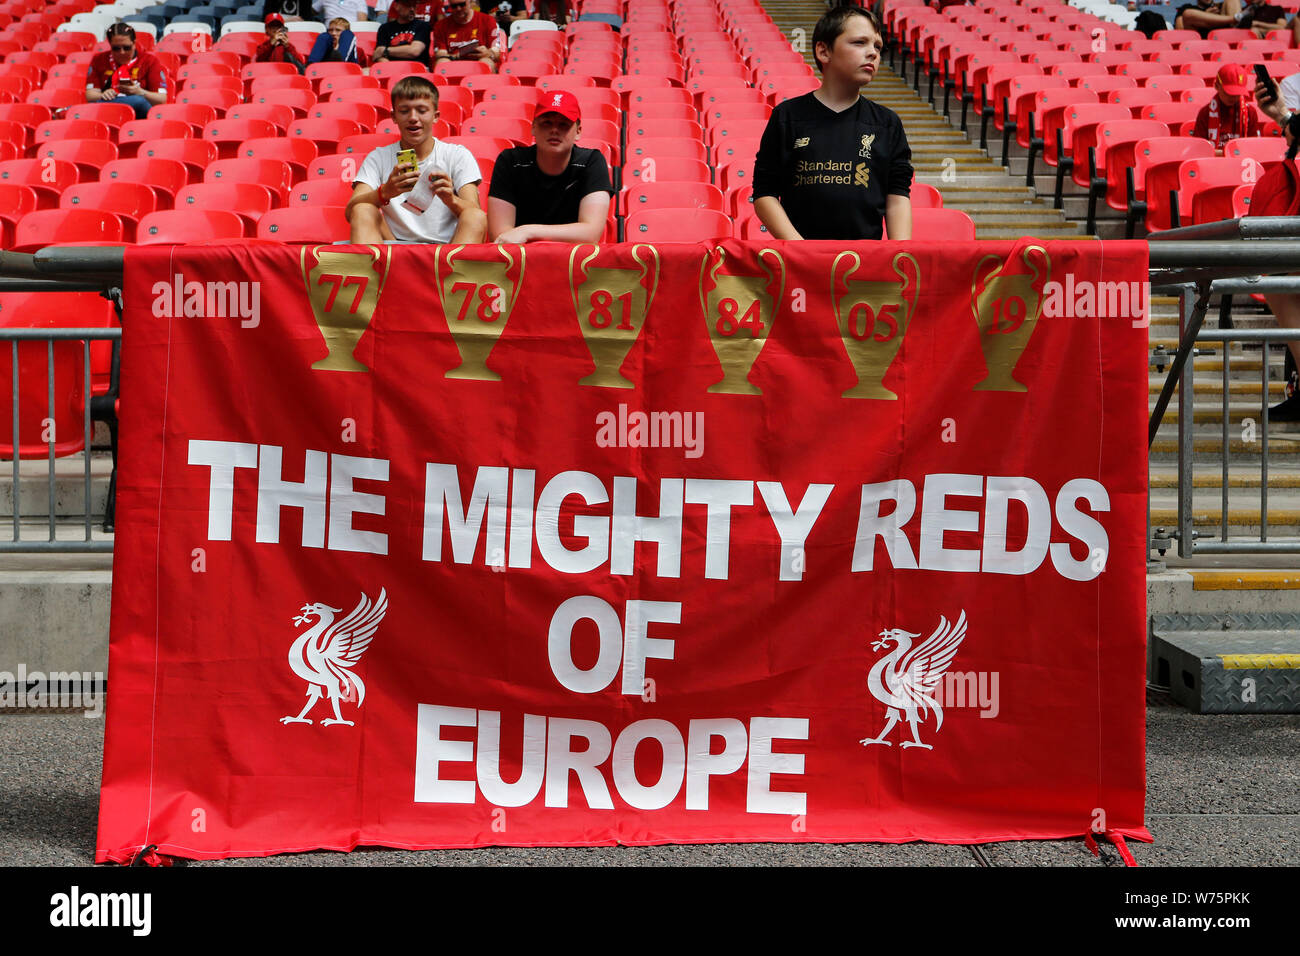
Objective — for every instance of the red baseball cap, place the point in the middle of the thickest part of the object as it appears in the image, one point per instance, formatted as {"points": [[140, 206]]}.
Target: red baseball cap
{"points": [[1234, 80], [558, 101], [274, 19]]}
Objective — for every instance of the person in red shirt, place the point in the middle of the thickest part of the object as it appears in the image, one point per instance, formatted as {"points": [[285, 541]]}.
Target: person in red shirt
{"points": [[277, 48], [122, 74], [467, 34], [1230, 115]]}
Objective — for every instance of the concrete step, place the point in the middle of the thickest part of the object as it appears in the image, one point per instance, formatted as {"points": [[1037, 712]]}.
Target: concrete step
{"points": [[69, 486], [1229, 670]]}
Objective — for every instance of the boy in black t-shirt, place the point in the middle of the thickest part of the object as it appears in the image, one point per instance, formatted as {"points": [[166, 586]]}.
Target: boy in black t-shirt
{"points": [[404, 36], [553, 189], [831, 164]]}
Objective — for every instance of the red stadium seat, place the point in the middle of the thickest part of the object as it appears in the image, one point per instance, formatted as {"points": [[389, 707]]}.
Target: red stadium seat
{"points": [[305, 224], [70, 129], [1116, 143], [925, 196], [1137, 100], [276, 114], [45, 310], [319, 72], [112, 115], [189, 225], [320, 192], [57, 99], [132, 134], [164, 176], [227, 134], [941, 225], [1155, 175], [363, 114], [1241, 200], [275, 174], [129, 201], [391, 71], [197, 115], [1171, 114], [89, 155], [338, 166], [48, 178], [661, 147], [347, 81], [46, 227], [1205, 187], [517, 130], [15, 202], [298, 152], [249, 200], [668, 169], [677, 225], [379, 100], [363, 144], [1263, 149], [463, 68], [325, 133], [671, 196], [196, 154], [219, 100], [256, 71], [300, 101]]}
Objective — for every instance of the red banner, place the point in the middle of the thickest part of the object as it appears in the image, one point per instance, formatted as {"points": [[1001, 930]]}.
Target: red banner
{"points": [[444, 547]]}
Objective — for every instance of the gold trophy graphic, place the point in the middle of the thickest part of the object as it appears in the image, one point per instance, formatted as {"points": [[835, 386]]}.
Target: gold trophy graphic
{"points": [[344, 289], [477, 298], [739, 311], [873, 318], [1007, 308], [611, 306]]}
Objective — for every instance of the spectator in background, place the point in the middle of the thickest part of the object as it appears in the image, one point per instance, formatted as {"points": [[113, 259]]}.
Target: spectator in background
{"points": [[427, 10], [338, 44], [553, 189], [350, 10], [403, 37], [277, 48], [1230, 115], [466, 33], [122, 74], [503, 12], [290, 11], [552, 10], [1205, 15]]}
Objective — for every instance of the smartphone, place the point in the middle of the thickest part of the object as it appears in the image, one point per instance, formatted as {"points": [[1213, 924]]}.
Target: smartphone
{"points": [[1261, 73], [407, 157]]}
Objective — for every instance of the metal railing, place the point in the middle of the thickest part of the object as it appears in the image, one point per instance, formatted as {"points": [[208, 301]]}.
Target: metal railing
{"points": [[1195, 262], [52, 543], [70, 269]]}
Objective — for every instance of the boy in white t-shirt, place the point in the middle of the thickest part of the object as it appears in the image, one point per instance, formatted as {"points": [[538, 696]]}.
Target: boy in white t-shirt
{"points": [[380, 209]]}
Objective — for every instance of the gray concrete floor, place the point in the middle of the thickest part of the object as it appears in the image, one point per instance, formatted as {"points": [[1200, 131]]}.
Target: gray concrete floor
{"points": [[1223, 790]]}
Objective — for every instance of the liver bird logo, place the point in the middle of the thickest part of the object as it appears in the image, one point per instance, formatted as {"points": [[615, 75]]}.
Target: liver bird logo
{"points": [[906, 678], [324, 654]]}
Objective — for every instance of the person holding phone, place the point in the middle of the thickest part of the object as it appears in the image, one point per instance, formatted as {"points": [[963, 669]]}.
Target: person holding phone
{"points": [[419, 189], [122, 74], [277, 48], [467, 34]]}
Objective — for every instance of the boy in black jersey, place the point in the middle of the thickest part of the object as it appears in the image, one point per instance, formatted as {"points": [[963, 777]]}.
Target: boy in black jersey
{"points": [[553, 190], [832, 164]]}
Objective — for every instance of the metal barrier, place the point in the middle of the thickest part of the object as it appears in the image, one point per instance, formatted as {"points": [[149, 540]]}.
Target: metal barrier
{"points": [[1235, 249], [49, 337], [1195, 262]]}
